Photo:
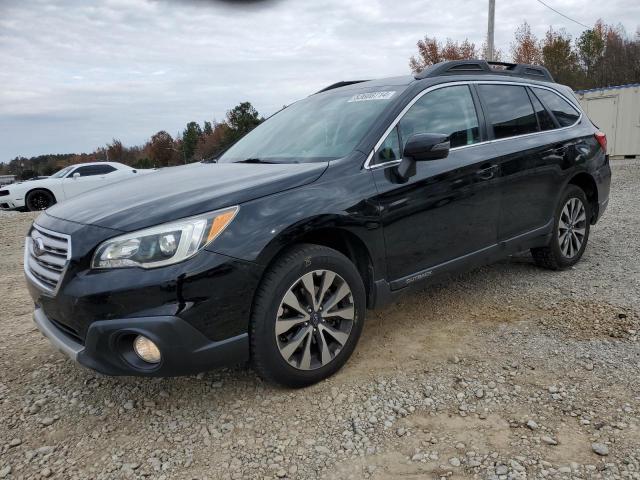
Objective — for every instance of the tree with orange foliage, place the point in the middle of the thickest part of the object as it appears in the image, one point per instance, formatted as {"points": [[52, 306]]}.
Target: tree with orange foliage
{"points": [[115, 151], [160, 149], [559, 57], [430, 52], [526, 48], [211, 145]]}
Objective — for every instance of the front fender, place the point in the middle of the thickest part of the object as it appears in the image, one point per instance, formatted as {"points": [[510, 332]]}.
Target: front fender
{"points": [[54, 188], [340, 200]]}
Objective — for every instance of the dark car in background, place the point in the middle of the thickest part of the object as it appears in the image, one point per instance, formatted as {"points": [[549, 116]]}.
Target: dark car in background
{"points": [[335, 204]]}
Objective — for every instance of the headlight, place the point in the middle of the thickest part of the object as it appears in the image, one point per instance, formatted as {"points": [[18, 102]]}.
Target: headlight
{"points": [[165, 244]]}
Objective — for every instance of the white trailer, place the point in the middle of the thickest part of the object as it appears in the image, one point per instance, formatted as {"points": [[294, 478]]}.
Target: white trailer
{"points": [[615, 111]]}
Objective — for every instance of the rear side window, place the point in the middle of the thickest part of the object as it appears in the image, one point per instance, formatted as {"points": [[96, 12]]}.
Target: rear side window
{"points": [[544, 118], [509, 110], [447, 110], [564, 112]]}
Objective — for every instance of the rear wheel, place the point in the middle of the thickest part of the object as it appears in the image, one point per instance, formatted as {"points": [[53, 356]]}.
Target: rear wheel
{"points": [[571, 232], [39, 200], [307, 317]]}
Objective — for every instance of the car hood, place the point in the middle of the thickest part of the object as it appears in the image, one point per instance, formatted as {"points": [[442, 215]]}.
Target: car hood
{"points": [[22, 187], [178, 192]]}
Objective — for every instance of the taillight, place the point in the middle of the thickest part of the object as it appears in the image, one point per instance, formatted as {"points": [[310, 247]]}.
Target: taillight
{"points": [[602, 140]]}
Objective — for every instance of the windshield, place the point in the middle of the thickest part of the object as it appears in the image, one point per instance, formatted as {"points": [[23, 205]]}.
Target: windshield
{"points": [[61, 173], [318, 128]]}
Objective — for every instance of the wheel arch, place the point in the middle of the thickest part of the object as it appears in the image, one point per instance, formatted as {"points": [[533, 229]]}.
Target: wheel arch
{"points": [[39, 189], [588, 185], [333, 236]]}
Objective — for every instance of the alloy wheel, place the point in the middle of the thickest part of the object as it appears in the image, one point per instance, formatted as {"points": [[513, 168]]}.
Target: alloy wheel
{"points": [[314, 319], [39, 201], [572, 227]]}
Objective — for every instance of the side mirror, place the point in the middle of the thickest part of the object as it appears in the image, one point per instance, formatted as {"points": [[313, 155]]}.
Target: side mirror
{"points": [[76, 176], [427, 146], [421, 147]]}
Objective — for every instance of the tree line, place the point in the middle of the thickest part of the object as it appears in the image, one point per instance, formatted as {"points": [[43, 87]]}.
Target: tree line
{"points": [[602, 56], [194, 143]]}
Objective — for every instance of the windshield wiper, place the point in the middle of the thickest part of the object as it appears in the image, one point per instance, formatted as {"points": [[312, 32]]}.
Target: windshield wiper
{"points": [[253, 160]]}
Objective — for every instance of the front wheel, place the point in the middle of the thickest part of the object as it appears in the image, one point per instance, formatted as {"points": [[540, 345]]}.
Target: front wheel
{"points": [[307, 317], [39, 200], [571, 232]]}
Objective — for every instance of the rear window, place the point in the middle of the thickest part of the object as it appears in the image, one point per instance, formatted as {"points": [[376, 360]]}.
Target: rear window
{"points": [[509, 110], [564, 112]]}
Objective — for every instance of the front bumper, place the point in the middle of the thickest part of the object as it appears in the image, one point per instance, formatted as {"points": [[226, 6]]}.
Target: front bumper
{"points": [[108, 346], [7, 203], [196, 311]]}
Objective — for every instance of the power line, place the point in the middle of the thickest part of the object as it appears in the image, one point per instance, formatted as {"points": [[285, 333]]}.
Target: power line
{"points": [[562, 14]]}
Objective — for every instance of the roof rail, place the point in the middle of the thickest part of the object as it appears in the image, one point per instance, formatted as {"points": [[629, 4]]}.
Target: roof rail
{"points": [[343, 83], [472, 67]]}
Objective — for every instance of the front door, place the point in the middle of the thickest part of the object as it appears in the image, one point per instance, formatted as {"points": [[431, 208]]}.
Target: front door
{"points": [[88, 177], [450, 208]]}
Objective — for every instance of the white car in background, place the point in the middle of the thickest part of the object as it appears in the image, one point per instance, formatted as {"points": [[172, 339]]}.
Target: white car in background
{"points": [[67, 183]]}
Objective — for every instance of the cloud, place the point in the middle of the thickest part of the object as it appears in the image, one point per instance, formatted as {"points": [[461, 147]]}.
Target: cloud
{"points": [[76, 74]]}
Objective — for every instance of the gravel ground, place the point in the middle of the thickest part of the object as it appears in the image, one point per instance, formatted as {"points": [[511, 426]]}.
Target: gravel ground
{"points": [[506, 372]]}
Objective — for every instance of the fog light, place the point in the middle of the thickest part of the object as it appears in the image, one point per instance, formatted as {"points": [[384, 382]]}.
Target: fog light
{"points": [[146, 349]]}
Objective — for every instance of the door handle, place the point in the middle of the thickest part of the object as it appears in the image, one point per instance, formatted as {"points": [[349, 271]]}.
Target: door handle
{"points": [[487, 173]]}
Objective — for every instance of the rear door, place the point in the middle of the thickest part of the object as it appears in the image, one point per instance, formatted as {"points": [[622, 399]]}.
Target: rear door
{"points": [[449, 208], [530, 155]]}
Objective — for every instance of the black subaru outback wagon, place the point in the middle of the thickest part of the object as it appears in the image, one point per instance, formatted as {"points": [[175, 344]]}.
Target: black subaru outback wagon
{"points": [[333, 205]]}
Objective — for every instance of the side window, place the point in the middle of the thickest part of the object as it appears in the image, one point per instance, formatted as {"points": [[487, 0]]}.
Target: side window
{"points": [[103, 169], [390, 148], [448, 110], [544, 118], [509, 110], [564, 112], [91, 170]]}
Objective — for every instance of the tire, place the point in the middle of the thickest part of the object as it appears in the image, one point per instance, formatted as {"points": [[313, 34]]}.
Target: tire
{"points": [[297, 349], [566, 245], [39, 200]]}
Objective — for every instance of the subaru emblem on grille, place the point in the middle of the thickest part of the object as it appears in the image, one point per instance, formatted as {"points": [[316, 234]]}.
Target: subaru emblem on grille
{"points": [[38, 247]]}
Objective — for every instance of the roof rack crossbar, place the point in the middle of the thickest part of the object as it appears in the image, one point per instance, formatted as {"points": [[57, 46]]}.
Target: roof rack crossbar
{"points": [[467, 67]]}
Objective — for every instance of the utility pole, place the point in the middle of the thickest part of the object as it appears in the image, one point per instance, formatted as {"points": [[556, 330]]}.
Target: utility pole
{"points": [[492, 15]]}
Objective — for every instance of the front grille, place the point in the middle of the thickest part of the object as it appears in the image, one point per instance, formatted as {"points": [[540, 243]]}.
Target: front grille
{"points": [[46, 256]]}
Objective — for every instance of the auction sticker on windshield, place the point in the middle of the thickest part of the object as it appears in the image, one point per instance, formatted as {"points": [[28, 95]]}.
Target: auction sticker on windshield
{"points": [[364, 97]]}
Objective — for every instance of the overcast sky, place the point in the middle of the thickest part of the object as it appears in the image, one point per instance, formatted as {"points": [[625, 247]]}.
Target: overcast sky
{"points": [[76, 73]]}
